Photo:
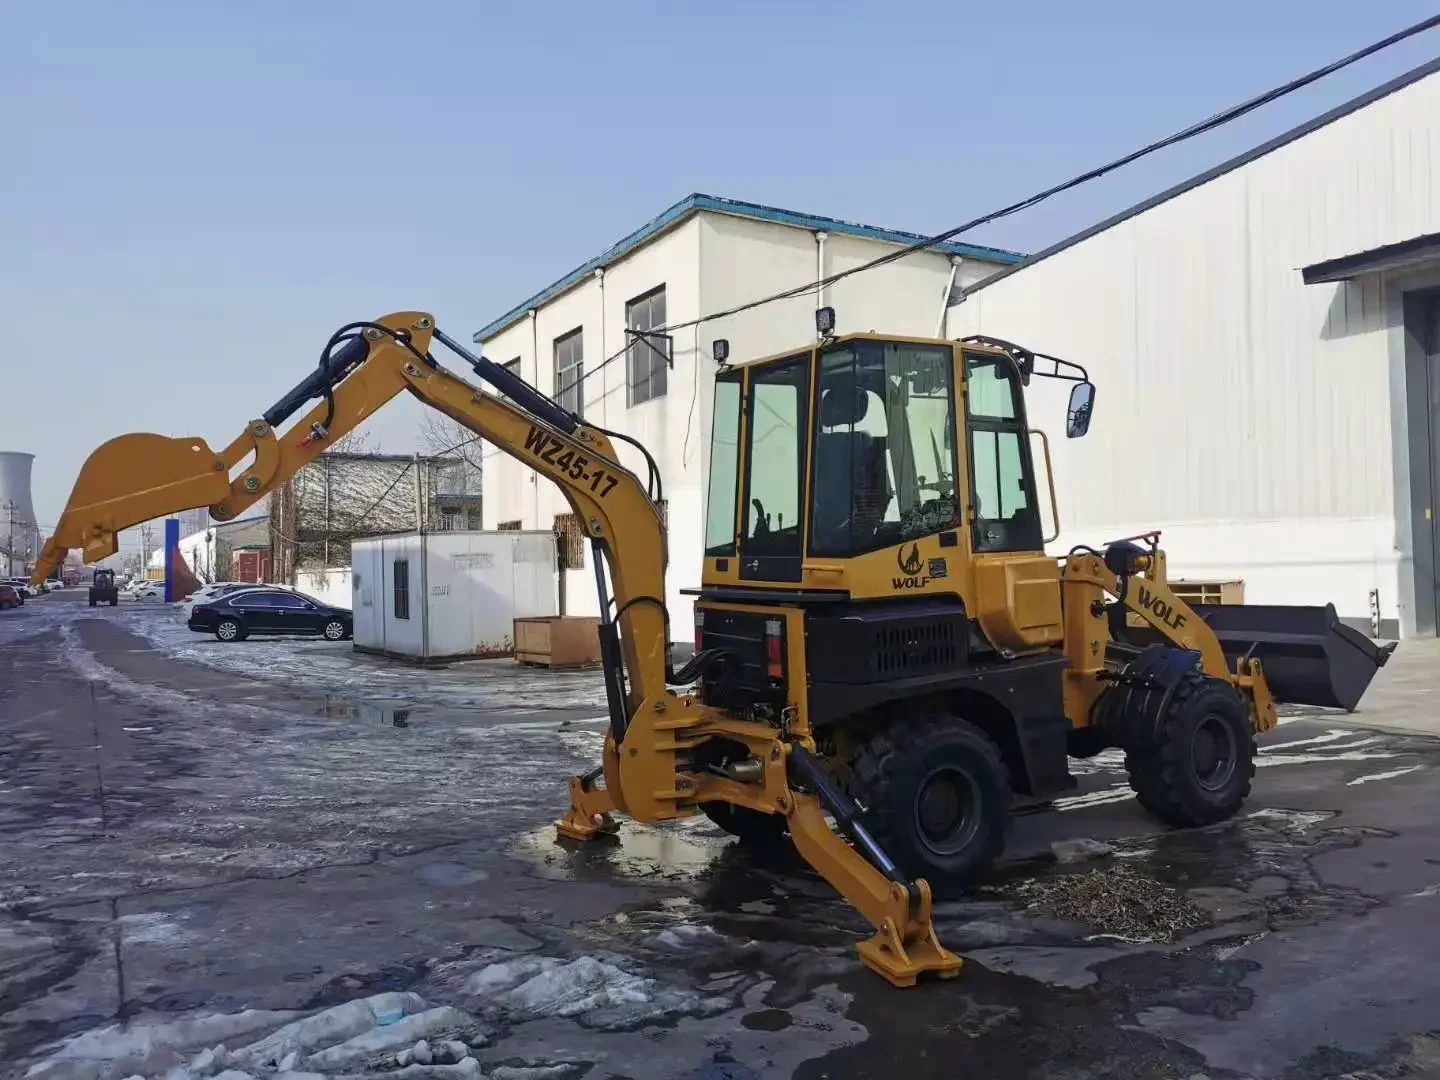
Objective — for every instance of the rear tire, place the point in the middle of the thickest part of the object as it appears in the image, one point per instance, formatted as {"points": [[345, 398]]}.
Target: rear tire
{"points": [[753, 828], [92, 601], [1198, 772], [936, 795], [229, 630]]}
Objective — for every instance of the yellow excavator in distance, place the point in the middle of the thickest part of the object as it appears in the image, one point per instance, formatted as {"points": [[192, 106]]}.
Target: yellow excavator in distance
{"points": [[881, 640]]}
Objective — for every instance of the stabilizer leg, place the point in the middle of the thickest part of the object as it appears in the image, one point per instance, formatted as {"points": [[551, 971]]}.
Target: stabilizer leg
{"points": [[590, 812], [904, 946]]}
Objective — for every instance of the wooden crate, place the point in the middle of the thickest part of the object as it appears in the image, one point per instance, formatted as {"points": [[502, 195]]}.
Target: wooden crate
{"points": [[1209, 592], [1199, 592], [558, 641]]}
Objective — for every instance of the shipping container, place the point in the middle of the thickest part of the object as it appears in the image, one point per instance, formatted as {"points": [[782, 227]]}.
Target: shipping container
{"points": [[447, 596]]}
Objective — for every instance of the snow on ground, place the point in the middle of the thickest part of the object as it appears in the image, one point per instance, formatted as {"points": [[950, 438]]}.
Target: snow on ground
{"points": [[335, 667]]}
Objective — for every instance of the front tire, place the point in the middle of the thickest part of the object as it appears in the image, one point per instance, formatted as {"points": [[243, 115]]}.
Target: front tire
{"points": [[753, 828], [1199, 769], [335, 630], [229, 630], [936, 795]]}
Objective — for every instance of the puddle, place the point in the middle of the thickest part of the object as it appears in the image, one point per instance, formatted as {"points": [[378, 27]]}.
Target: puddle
{"points": [[670, 853], [767, 1020]]}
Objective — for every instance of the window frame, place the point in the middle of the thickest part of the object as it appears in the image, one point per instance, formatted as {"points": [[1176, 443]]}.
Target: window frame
{"points": [[400, 587], [641, 342], [577, 336], [1027, 533]]}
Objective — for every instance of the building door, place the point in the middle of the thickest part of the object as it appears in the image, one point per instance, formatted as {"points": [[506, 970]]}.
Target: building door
{"points": [[1422, 324]]}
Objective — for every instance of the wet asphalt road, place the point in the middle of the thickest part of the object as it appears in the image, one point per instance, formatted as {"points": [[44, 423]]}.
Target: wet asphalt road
{"points": [[185, 829]]}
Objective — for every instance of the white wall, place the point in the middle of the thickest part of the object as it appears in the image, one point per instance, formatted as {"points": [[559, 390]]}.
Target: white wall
{"points": [[330, 585], [514, 492], [710, 262], [1245, 413]]}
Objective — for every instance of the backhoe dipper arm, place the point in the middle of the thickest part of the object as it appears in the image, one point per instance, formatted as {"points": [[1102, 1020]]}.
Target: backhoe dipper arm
{"points": [[134, 478]]}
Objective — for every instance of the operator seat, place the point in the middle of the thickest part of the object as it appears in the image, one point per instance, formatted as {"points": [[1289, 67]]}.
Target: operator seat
{"points": [[851, 484]]}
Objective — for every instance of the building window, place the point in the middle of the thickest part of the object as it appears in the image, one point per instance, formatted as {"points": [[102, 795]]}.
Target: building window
{"points": [[509, 526], [513, 367], [570, 370], [648, 360], [569, 542], [402, 588]]}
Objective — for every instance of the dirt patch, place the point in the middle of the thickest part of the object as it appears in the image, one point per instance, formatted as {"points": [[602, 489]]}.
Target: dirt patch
{"points": [[1116, 901]]}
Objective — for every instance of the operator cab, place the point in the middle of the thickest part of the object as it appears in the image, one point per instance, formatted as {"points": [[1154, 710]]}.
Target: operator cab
{"points": [[883, 469]]}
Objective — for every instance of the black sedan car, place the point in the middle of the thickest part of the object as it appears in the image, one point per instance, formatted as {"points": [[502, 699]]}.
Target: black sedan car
{"points": [[236, 615]]}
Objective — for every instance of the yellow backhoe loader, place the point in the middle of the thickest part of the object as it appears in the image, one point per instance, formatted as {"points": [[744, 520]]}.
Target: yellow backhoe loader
{"points": [[881, 640]]}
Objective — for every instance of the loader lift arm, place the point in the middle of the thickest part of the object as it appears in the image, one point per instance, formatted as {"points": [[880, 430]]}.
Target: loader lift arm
{"points": [[134, 478]]}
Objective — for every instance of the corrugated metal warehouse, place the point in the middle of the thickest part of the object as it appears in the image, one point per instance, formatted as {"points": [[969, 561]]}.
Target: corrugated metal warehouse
{"points": [[1266, 343]]}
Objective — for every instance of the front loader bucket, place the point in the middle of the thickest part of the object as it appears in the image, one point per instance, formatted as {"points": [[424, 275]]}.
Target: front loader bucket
{"points": [[128, 480], [1308, 655]]}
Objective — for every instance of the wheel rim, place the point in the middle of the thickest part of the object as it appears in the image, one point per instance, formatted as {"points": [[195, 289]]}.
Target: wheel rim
{"points": [[334, 631], [1213, 752], [947, 810], [227, 631]]}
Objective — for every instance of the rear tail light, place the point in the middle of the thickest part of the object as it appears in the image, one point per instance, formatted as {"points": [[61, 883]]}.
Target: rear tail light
{"points": [[773, 653]]}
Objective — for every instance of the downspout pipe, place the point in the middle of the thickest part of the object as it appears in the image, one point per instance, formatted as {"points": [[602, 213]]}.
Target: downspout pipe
{"points": [[955, 261], [820, 238]]}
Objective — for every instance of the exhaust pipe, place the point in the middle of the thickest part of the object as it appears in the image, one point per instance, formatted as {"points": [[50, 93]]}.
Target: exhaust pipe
{"points": [[1309, 656]]}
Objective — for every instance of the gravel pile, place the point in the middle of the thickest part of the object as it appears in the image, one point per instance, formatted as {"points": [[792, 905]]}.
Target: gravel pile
{"points": [[1117, 901]]}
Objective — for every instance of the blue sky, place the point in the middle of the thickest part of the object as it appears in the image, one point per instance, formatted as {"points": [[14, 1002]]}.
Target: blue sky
{"points": [[197, 194]]}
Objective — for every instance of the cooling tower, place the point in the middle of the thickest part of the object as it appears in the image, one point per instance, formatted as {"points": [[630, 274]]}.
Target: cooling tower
{"points": [[19, 534]]}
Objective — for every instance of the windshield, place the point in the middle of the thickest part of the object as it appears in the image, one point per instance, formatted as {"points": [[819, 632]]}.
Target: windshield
{"points": [[724, 466], [884, 446]]}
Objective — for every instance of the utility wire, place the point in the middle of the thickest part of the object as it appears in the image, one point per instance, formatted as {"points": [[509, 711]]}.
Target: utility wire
{"points": [[1217, 120]]}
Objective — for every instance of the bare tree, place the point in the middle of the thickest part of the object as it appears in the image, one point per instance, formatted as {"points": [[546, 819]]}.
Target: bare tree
{"points": [[444, 437]]}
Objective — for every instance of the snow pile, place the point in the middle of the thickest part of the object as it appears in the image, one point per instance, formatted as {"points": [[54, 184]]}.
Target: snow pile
{"points": [[595, 993], [395, 1032], [113, 1052], [405, 1033]]}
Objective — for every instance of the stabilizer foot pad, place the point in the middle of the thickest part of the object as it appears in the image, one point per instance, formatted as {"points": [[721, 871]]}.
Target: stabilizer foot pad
{"points": [[589, 814], [900, 963]]}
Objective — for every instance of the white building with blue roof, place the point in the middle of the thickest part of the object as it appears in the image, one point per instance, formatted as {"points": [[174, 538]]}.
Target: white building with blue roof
{"points": [[703, 254]]}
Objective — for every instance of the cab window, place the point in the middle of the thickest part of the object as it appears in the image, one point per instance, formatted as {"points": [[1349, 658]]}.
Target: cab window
{"points": [[1002, 478]]}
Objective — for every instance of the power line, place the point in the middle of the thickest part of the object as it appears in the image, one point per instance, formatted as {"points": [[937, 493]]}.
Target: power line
{"points": [[1217, 120]]}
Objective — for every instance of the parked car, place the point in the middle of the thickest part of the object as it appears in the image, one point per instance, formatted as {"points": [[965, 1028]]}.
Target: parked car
{"points": [[234, 616], [9, 598], [206, 593], [147, 590], [21, 586]]}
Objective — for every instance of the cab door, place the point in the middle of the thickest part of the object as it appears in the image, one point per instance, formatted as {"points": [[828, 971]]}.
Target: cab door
{"points": [[1005, 514]]}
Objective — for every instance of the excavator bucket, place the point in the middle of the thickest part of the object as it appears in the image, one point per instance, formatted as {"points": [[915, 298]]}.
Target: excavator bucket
{"points": [[130, 479], [1309, 656]]}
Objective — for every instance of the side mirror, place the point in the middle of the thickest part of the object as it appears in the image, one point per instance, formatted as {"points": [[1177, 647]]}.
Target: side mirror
{"points": [[1077, 415]]}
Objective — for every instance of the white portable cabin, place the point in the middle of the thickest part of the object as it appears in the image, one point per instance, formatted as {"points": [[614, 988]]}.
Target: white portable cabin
{"points": [[449, 595]]}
